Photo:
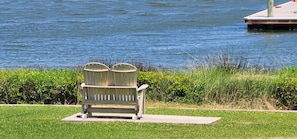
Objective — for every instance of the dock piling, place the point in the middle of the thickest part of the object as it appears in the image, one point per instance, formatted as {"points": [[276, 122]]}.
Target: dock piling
{"points": [[270, 5]]}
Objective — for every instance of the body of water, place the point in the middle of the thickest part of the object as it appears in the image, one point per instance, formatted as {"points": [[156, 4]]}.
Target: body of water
{"points": [[168, 33]]}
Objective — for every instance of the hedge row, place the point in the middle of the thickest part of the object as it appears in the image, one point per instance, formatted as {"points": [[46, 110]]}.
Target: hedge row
{"points": [[220, 86], [39, 86]]}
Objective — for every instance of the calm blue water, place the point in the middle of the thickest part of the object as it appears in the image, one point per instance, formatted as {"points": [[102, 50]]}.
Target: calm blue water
{"points": [[169, 33]]}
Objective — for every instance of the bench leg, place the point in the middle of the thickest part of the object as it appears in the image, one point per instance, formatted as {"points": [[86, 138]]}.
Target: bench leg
{"points": [[135, 117], [141, 104], [83, 111], [89, 113], [84, 116]]}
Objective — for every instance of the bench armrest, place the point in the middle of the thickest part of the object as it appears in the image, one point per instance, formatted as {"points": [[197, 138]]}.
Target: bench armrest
{"points": [[142, 87], [82, 85]]}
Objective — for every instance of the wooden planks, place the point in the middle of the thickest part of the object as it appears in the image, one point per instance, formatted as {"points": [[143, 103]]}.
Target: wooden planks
{"points": [[284, 17]]}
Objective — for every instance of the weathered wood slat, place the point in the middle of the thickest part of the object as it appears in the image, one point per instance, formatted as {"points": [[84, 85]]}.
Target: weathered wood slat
{"points": [[113, 110], [109, 102], [107, 87]]}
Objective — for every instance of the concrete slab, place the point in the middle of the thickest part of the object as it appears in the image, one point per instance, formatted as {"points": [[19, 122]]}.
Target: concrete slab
{"points": [[147, 118]]}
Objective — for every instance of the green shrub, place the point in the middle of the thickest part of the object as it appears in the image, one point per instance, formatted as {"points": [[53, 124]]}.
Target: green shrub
{"points": [[39, 86], [196, 86], [171, 87], [286, 88]]}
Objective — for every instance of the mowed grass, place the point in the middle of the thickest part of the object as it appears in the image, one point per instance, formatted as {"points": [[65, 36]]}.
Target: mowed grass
{"points": [[45, 122]]}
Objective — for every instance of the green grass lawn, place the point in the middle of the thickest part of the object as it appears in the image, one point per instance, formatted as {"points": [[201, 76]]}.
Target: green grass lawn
{"points": [[45, 122]]}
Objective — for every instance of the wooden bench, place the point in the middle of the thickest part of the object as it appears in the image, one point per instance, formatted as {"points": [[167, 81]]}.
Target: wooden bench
{"points": [[112, 90]]}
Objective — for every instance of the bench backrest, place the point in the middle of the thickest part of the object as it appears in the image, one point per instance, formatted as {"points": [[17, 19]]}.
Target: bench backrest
{"points": [[124, 74], [115, 85], [96, 74]]}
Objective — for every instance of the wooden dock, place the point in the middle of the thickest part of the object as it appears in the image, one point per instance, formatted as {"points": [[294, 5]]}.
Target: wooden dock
{"points": [[284, 18]]}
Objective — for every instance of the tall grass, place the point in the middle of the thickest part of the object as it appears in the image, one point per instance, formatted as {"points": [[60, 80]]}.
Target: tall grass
{"points": [[215, 86], [226, 81]]}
